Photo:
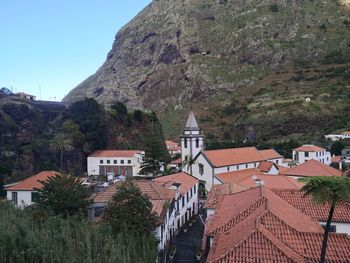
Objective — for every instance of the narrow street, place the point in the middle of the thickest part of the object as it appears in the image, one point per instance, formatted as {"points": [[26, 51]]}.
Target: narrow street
{"points": [[187, 243]]}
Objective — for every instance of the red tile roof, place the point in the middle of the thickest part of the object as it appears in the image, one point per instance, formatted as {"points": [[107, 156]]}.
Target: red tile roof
{"points": [[157, 194], [185, 180], [266, 166], [346, 132], [336, 159], [233, 156], [273, 181], [245, 178], [312, 168], [256, 225], [115, 153], [218, 190], [270, 154], [318, 212], [309, 148], [171, 143], [32, 182], [177, 161]]}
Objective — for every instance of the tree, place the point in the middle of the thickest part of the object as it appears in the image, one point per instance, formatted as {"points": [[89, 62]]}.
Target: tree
{"points": [[188, 162], [336, 148], [138, 116], [130, 210], [156, 153], [60, 143], [327, 190], [120, 108], [63, 195]]}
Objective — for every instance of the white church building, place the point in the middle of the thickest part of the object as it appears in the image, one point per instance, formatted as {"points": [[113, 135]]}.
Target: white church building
{"points": [[207, 164]]}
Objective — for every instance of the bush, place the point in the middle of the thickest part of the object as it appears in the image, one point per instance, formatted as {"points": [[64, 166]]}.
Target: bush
{"points": [[54, 239], [274, 8]]}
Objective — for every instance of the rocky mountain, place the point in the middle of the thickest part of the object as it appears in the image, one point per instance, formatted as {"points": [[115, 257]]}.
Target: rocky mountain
{"points": [[258, 70]]}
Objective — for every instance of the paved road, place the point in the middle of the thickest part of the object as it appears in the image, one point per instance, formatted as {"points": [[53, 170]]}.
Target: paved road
{"points": [[188, 243]]}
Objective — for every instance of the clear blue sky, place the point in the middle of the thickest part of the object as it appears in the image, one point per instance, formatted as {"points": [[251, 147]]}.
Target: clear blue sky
{"points": [[56, 44]]}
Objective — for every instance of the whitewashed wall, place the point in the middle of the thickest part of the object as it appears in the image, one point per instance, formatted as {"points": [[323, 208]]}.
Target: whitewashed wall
{"points": [[24, 198], [340, 227]]}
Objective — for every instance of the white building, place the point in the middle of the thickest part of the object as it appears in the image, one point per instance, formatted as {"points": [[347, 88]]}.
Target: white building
{"points": [[338, 137], [23, 193], [311, 152], [186, 187], [118, 162], [206, 164]]}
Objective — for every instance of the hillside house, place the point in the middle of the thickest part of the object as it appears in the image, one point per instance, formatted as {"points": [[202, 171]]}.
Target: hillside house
{"points": [[115, 162], [173, 148], [23, 193], [311, 152], [25, 96]]}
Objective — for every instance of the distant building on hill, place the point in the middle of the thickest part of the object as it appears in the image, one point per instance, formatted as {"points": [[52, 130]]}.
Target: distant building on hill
{"points": [[173, 148], [337, 137], [25, 96], [311, 152]]}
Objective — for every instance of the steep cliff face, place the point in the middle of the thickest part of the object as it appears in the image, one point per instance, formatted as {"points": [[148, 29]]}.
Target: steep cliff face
{"points": [[178, 54]]}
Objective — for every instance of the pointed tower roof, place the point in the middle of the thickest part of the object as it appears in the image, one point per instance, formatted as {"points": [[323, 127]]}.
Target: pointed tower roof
{"points": [[192, 122]]}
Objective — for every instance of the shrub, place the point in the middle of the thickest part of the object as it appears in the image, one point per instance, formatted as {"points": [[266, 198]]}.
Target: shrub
{"points": [[274, 8]]}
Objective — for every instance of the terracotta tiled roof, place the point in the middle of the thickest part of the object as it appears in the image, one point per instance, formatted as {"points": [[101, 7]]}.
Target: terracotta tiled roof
{"points": [[262, 227], [218, 190], [272, 181], [171, 143], [32, 182], [309, 148], [245, 178], [233, 156], [318, 212], [270, 154], [336, 159], [238, 176], [185, 180], [115, 153], [177, 161], [152, 190], [346, 132], [266, 166], [282, 169], [157, 194], [312, 168]]}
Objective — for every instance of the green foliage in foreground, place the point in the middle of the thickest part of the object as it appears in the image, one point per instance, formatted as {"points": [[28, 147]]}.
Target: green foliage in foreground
{"points": [[25, 239]]}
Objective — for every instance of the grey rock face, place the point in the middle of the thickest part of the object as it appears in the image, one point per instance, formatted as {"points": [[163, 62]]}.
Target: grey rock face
{"points": [[176, 51]]}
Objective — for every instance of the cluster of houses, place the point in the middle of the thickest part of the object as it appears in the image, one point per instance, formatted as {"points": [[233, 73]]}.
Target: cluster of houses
{"points": [[338, 137], [254, 209]]}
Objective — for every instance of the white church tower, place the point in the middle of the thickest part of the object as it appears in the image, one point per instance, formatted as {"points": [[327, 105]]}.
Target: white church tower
{"points": [[192, 139]]}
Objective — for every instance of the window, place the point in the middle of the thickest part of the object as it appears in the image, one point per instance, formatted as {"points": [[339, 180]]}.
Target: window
{"points": [[296, 157], [185, 142], [201, 168], [191, 194], [183, 201], [316, 154], [228, 168], [35, 197], [246, 166], [115, 161], [194, 189], [108, 161], [333, 228], [306, 154], [276, 161], [122, 161], [197, 143], [14, 198], [101, 161], [129, 161], [187, 198]]}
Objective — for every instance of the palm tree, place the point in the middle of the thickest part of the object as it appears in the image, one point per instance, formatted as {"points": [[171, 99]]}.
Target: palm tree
{"points": [[188, 162], [60, 143], [327, 190]]}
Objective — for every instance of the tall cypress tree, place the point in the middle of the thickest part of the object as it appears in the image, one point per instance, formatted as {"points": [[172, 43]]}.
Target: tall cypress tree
{"points": [[156, 153]]}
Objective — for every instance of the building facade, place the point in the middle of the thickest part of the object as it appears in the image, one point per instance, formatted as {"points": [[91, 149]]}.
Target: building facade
{"points": [[117, 162], [311, 152]]}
